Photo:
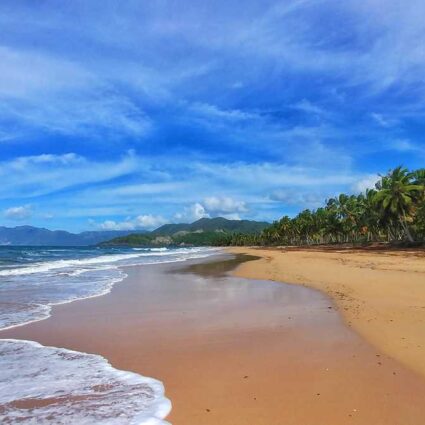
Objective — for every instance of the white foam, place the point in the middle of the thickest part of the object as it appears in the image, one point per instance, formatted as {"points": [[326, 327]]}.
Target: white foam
{"points": [[48, 385], [27, 294], [26, 314], [151, 249], [62, 264], [102, 259], [72, 387], [31, 312]]}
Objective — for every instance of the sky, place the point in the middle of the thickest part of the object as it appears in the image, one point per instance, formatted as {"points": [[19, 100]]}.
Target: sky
{"points": [[127, 115]]}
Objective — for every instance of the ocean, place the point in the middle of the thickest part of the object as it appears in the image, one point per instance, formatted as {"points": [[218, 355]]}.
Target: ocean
{"points": [[83, 388]]}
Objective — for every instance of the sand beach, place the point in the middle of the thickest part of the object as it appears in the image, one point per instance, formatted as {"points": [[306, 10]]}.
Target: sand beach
{"points": [[232, 350], [379, 292]]}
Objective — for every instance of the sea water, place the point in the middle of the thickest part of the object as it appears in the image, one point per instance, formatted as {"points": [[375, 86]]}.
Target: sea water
{"points": [[52, 385]]}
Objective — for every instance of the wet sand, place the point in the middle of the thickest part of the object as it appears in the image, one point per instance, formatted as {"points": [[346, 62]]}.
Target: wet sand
{"points": [[233, 351], [379, 292]]}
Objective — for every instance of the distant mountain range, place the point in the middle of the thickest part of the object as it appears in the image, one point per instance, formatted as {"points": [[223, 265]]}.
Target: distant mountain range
{"points": [[206, 231], [200, 232], [36, 236]]}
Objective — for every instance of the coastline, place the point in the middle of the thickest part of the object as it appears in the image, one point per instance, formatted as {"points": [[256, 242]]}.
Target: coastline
{"points": [[235, 351], [380, 294]]}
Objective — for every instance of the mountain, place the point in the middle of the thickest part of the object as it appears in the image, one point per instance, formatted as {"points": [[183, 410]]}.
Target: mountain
{"points": [[213, 225], [206, 231], [29, 235]]}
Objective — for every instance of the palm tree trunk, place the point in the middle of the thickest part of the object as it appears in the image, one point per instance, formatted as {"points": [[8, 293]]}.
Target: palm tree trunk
{"points": [[406, 228]]}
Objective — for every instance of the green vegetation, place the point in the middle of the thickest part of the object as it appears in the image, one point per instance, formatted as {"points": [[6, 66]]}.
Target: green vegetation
{"points": [[133, 239], [204, 232], [217, 224], [392, 212], [182, 238]]}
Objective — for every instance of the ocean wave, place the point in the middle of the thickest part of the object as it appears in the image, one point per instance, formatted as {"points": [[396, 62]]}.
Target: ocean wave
{"points": [[28, 293], [58, 386], [45, 266]]}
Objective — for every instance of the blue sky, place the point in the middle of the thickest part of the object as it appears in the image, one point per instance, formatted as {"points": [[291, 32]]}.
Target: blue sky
{"points": [[126, 115]]}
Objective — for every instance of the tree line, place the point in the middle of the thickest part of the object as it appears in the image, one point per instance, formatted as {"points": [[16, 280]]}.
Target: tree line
{"points": [[394, 211]]}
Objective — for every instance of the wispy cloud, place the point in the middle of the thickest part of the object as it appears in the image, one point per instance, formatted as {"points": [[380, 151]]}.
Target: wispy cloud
{"points": [[32, 176], [383, 121], [165, 109], [18, 213], [61, 96], [141, 222]]}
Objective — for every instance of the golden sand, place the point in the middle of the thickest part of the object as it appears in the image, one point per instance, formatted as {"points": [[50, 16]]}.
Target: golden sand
{"points": [[380, 293], [232, 351]]}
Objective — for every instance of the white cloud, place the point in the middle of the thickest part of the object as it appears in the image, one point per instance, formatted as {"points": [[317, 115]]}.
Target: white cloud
{"points": [[31, 176], [18, 213], [367, 182], [162, 189], [215, 204], [141, 189], [275, 175], [198, 211], [141, 222], [403, 145], [61, 96], [214, 112], [192, 213], [79, 187], [383, 121], [299, 198], [212, 207], [307, 106], [114, 225]]}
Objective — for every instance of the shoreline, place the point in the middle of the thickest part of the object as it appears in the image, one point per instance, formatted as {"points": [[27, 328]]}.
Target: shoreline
{"points": [[235, 351], [47, 307], [380, 294]]}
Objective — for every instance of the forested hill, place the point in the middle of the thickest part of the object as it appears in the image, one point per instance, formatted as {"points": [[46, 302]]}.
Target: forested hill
{"points": [[206, 231], [213, 225]]}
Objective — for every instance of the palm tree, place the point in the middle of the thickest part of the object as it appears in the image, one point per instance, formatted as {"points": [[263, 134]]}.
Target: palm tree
{"points": [[371, 218], [395, 209], [396, 195], [419, 180]]}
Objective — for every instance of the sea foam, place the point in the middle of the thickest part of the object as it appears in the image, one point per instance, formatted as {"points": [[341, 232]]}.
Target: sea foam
{"points": [[48, 385], [29, 289]]}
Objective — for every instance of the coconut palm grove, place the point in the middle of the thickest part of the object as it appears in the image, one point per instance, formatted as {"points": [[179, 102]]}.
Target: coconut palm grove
{"points": [[394, 211]]}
